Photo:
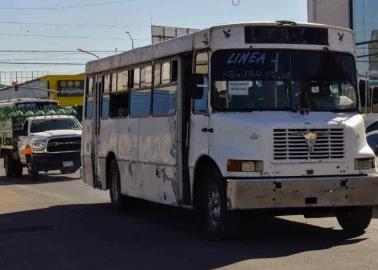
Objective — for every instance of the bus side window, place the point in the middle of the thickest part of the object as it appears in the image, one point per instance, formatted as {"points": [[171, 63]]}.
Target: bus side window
{"points": [[119, 94], [89, 99], [165, 90], [140, 95], [105, 97]]}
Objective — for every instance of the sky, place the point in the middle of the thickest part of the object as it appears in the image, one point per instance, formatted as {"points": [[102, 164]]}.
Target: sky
{"points": [[101, 25]]}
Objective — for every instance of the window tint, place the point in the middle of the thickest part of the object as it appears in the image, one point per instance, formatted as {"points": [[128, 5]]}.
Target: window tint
{"points": [[200, 105], [119, 105], [122, 80], [105, 107], [164, 101], [140, 103], [89, 108]]}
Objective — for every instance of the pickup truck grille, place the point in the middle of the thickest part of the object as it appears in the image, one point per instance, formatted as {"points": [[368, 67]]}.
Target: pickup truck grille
{"points": [[64, 144], [291, 144]]}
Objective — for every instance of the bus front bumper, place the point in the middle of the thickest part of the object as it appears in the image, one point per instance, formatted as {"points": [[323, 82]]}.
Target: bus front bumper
{"points": [[302, 192]]}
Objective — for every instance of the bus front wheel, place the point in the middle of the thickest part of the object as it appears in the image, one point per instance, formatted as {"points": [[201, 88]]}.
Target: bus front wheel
{"points": [[355, 219], [218, 222]]}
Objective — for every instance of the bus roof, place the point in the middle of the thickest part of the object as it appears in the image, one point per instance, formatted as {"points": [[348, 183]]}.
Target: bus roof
{"points": [[199, 40]]}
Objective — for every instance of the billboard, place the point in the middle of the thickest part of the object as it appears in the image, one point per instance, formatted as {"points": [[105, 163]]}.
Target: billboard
{"points": [[70, 88], [163, 33]]}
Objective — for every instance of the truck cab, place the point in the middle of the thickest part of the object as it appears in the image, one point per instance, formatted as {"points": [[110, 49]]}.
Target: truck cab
{"points": [[48, 143]]}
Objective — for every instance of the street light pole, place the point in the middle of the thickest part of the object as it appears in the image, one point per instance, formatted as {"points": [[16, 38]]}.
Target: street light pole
{"points": [[84, 51], [132, 40]]}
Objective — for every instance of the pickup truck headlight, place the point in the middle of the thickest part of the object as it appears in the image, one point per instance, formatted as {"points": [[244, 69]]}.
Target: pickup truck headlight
{"points": [[39, 145]]}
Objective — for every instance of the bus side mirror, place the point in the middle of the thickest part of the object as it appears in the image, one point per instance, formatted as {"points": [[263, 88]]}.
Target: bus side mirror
{"points": [[198, 84]]}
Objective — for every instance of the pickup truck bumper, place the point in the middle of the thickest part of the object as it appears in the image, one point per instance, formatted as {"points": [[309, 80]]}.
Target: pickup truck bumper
{"points": [[302, 192], [57, 161]]}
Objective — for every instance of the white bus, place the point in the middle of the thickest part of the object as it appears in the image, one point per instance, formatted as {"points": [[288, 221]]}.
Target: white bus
{"points": [[235, 117]]}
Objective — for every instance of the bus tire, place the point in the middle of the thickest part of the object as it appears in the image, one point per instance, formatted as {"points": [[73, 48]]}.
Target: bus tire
{"points": [[219, 223], [9, 165], [118, 200], [355, 220]]}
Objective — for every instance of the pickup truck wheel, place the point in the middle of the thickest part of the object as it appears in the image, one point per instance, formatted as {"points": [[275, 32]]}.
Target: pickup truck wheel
{"points": [[8, 165], [33, 173], [355, 220], [219, 222], [17, 168], [118, 200]]}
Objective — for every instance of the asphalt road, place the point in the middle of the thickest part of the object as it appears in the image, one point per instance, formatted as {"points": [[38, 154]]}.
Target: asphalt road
{"points": [[60, 223]]}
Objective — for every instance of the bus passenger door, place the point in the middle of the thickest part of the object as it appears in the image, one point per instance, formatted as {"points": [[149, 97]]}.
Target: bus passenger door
{"points": [[97, 95], [87, 131], [199, 116]]}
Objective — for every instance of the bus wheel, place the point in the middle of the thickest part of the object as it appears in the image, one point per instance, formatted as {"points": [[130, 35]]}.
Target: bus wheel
{"points": [[355, 220], [219, 222], [8, 165], [118, 201]]}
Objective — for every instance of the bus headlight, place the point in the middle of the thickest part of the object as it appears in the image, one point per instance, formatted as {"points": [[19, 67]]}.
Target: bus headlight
{"points": [[245, 165], [39, 145], [364, 163]]}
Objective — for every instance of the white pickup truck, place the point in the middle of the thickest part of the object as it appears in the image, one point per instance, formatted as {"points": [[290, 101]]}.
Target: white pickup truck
{"points": [[48, 143]]}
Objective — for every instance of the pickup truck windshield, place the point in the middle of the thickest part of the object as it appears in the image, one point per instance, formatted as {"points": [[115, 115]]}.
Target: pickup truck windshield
{"points": [[248, 80], [42, 125]]}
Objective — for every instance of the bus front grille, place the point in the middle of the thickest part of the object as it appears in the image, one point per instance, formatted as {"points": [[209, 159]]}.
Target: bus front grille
{"points": [[291, 144], [64, 144]]}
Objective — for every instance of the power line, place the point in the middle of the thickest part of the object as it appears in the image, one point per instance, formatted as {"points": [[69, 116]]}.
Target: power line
{"points": [[75, 24], [43, 63], [68, 7], [70, 37], [56, 51]]}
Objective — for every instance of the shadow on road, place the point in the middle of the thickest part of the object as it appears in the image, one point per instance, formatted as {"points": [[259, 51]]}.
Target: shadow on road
{"points": [[43, 178], [149, 237]]}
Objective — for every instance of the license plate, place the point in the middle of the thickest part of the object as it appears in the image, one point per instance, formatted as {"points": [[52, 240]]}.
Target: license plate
{"points": [[68, 164]]}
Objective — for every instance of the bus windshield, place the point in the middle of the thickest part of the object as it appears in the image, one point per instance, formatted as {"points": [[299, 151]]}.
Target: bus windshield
{"points": [[248, 80]]}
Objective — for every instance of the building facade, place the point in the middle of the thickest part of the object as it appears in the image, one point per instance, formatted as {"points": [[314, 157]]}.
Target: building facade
{"points": [[358, 15]]}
